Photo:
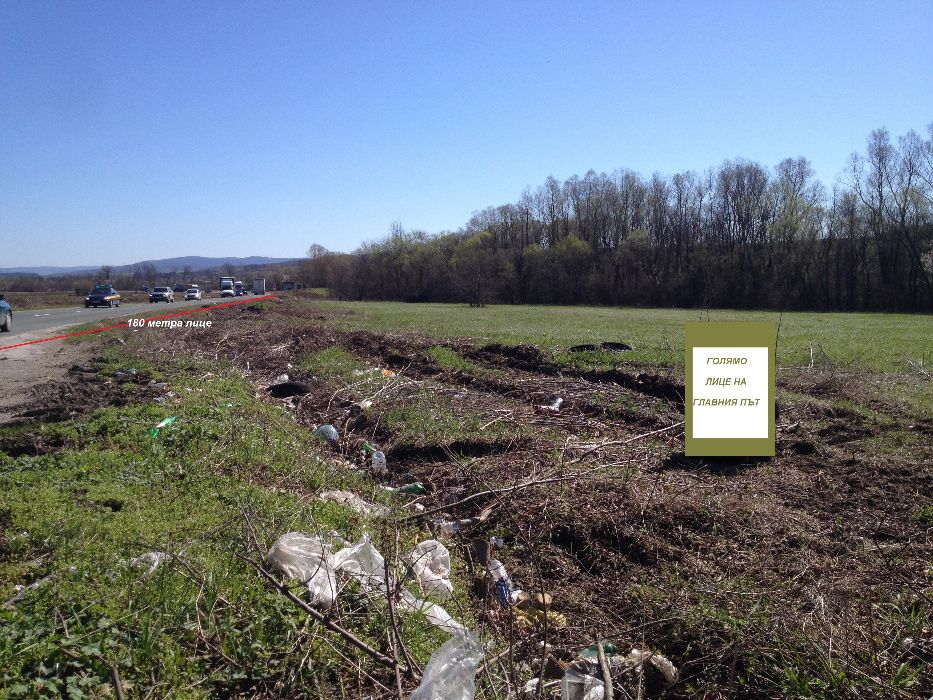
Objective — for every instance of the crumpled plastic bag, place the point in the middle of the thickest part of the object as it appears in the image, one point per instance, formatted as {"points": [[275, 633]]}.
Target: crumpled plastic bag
{"points": [[149, 561], [306, 559], [581, 686], [353, 501], [432, 612], [363, 562], [451, 671], [430, 563], [662, 664]]}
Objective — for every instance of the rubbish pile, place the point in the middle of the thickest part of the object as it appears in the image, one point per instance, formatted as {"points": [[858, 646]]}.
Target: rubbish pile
{"points": [[584, 678], [309, 560]]}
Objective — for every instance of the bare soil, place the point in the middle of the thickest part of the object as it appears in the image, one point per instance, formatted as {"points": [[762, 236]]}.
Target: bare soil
{"points": [[747, 573], [736, 569]]}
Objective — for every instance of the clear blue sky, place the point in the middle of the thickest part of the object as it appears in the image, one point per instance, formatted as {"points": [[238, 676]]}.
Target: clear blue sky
{"points": [[133, 130]]}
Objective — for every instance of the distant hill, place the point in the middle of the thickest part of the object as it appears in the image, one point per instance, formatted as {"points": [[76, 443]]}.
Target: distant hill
{"points": [[195, 262], [44, 270]]}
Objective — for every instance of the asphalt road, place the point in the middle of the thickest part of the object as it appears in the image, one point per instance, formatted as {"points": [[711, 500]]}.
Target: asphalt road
{"points": [[53, 320]]}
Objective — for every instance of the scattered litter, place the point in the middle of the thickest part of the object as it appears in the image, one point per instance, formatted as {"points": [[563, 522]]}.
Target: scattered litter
{"points": [[373, 371], [327, 433], [451, 671], [283, 390], [415, 488], [432, 612], [149, 561], [661, 664], [306, 559], [581, 686], [452, 527], [592, 652], [281, 379], [430, 563], [379, 463], [23, 591], [449, 527], [553, 407], [363, 562], [365, 405], [503, 589], [537, 610], [154, 431], [353, 501]]}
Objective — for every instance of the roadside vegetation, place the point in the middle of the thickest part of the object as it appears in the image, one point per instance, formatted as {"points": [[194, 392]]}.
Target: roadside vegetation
{"points": [[85, 502], [803, 576]]}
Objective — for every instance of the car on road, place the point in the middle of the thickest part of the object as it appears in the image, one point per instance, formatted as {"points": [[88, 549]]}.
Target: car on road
{"points": [[162, 294], [6, 315], [193, 294], [102, 295]]}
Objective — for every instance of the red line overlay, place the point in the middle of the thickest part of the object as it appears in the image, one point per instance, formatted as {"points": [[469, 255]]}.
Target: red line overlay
{"points": [[126, 324]]}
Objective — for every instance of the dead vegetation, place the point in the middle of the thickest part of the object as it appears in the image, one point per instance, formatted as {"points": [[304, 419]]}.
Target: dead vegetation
{"points": [[803, 575]]}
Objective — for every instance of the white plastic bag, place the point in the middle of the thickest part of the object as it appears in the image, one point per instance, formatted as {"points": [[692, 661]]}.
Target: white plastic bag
{"points": [[364, 563], [580, 686], [306, 559], [451, 672], [430, 563], [353, 501], [433, 612], [149, 561], [662, 664]]}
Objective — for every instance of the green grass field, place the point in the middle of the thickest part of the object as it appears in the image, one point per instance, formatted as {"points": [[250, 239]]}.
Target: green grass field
{"points": [[203, 624], [857, 341]]}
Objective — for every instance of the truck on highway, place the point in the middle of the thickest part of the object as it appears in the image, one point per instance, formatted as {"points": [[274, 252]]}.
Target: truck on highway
{"points": [[226, 287], [259, 285], [239, 289]]}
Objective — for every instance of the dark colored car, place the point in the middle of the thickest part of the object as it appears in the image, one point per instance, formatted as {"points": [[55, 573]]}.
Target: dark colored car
{"points": [[6, 315], [102, 295], [162, 294]]}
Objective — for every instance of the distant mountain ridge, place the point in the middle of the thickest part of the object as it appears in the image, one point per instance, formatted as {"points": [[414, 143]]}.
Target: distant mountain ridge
{"points": [[195, 262]]}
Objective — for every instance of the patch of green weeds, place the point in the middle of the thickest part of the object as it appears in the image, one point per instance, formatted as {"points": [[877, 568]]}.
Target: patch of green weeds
{"points": [[229, 472], [331, 363], [450, 359]]}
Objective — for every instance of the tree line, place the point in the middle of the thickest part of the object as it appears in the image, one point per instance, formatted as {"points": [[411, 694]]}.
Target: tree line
{"points": [[740, 235]]}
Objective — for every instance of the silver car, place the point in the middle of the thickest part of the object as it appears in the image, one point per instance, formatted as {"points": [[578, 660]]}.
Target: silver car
{"points": [[162, 294]]}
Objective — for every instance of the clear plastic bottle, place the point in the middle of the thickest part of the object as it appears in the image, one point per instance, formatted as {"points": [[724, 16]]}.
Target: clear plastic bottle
{"points": [[379, 463]]}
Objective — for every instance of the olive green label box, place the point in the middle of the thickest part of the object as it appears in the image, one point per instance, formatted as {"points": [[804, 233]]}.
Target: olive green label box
{"points": [[730, 389]]}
